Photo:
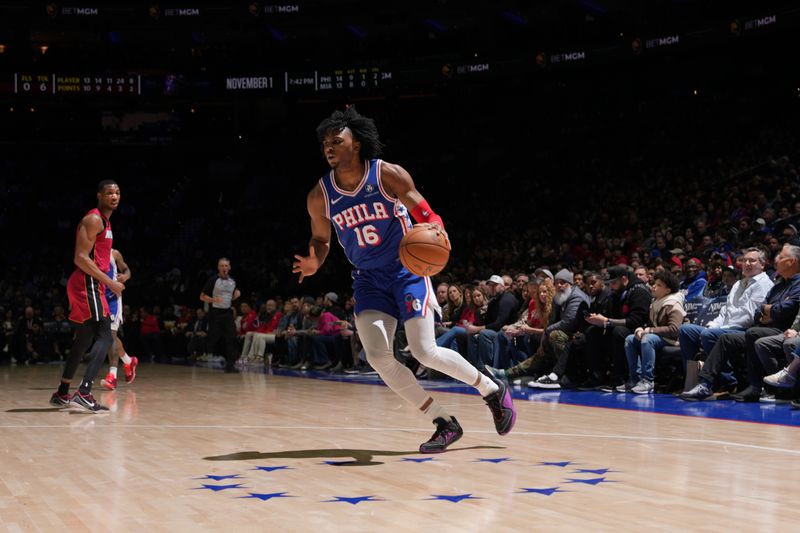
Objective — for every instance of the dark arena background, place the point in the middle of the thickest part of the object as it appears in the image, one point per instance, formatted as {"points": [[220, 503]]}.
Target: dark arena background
{"points": [[584, 137]]}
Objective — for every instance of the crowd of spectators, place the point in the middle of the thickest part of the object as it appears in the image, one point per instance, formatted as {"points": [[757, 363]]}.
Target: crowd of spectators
{"points": [[660, 180]]}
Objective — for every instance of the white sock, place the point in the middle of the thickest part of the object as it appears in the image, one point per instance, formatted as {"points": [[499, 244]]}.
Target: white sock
{"points": [[113, 371], [486, 385], [435, 410], [126, 358]]}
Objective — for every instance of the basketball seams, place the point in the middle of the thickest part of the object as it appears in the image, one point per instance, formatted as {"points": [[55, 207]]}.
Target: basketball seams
{"points": [[422, 259], [423, 252]]}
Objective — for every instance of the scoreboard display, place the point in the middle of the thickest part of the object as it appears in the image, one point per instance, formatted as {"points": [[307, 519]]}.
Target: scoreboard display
{"points": [[59, 84], [352, 79], [337, 79], [356, 78]]}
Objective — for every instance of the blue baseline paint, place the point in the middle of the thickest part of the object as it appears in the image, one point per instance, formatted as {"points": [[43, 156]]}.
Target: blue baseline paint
{"points": [[780, 414]]}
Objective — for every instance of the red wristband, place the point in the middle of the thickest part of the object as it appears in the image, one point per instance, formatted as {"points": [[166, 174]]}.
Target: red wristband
{"points": [[422, 212]]}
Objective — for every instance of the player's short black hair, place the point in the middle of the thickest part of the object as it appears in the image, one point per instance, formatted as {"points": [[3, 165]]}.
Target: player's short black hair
{"points": [[363, 128], [103, 184]]}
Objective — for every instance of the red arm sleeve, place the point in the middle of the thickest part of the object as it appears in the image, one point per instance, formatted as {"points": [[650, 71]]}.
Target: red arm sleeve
{"points": [[422, 212]]}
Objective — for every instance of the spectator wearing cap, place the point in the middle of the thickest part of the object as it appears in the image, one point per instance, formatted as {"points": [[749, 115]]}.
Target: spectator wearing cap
{"points": [[694, 282], [542, 273], [677, 252], [772, 318], [502, 310], [641, 347], [605, 339], [675, 265], [790, 235], [570, 308], [737, 314], [330, 303]]}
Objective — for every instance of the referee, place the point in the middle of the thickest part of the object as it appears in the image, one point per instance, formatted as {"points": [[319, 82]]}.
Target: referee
{"points": [[220, 291]]}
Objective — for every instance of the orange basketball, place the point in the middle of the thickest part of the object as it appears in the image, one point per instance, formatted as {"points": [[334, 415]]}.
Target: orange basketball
{"points": [[424, 252]]}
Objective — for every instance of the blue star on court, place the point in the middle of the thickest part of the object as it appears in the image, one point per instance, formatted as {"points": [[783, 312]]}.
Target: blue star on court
{"points": [[266, 496], [271, 468], [338, 463], [219, 478], [594, 481], [217, 488], [353, 501], [562, 464], [546, 492], [415, 460], [495, 461], [599, 471], [455, 498]]}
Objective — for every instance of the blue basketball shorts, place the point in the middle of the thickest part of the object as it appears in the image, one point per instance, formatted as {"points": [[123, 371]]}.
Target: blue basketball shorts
{"points": [[393, 290]]}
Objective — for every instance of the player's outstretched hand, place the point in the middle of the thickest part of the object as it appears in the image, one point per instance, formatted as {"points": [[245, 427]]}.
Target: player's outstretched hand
{"points": [[306, 266], [436, 227]]}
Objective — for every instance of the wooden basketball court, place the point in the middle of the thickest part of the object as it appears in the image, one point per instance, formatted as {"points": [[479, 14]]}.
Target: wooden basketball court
{"points": [[188, 448]]}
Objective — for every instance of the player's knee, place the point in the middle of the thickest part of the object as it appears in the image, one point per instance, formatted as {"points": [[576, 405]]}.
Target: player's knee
{"points": [[423, 352], [381, 360]]}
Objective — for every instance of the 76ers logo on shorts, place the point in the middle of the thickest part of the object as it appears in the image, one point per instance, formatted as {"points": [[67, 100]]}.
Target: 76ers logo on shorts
{"points": [[412, 303]]}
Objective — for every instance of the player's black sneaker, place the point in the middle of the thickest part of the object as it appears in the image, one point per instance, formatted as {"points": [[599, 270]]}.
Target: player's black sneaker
{"points": [[86, 402], [447, 432], [59, 400], [501, 406]]}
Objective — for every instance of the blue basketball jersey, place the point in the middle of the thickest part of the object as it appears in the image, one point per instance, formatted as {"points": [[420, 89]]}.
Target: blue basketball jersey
{"points": [[112, 298], [368, 222]]}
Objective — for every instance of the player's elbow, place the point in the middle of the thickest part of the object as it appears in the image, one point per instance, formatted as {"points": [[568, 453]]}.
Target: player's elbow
{"points": [[79, 260]]}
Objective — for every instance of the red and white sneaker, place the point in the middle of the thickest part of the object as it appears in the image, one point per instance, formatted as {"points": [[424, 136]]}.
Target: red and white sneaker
{"points": [[130, 370], [109, 382]]}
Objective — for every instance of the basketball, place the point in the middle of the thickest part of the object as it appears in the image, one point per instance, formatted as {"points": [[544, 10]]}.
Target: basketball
{"points": [[424, 251]]}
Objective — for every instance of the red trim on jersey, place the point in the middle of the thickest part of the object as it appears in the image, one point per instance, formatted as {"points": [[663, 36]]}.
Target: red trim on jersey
{"points": [[429, 291], [380, 182]]}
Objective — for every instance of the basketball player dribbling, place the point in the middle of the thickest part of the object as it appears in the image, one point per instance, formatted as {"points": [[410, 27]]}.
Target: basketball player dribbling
{"points": [[368, 202], [87, 300], [118, 270]]}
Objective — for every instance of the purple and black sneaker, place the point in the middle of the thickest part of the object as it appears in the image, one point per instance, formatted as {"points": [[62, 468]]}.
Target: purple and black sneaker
{"points": [[447, 432], [501, 405]]}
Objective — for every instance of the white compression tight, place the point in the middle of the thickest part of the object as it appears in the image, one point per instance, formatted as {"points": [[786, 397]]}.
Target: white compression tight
{"points": [[376, 330]]}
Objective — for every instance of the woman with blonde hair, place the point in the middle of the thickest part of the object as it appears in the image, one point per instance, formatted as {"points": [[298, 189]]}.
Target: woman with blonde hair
{"points": [[540, 310]]}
